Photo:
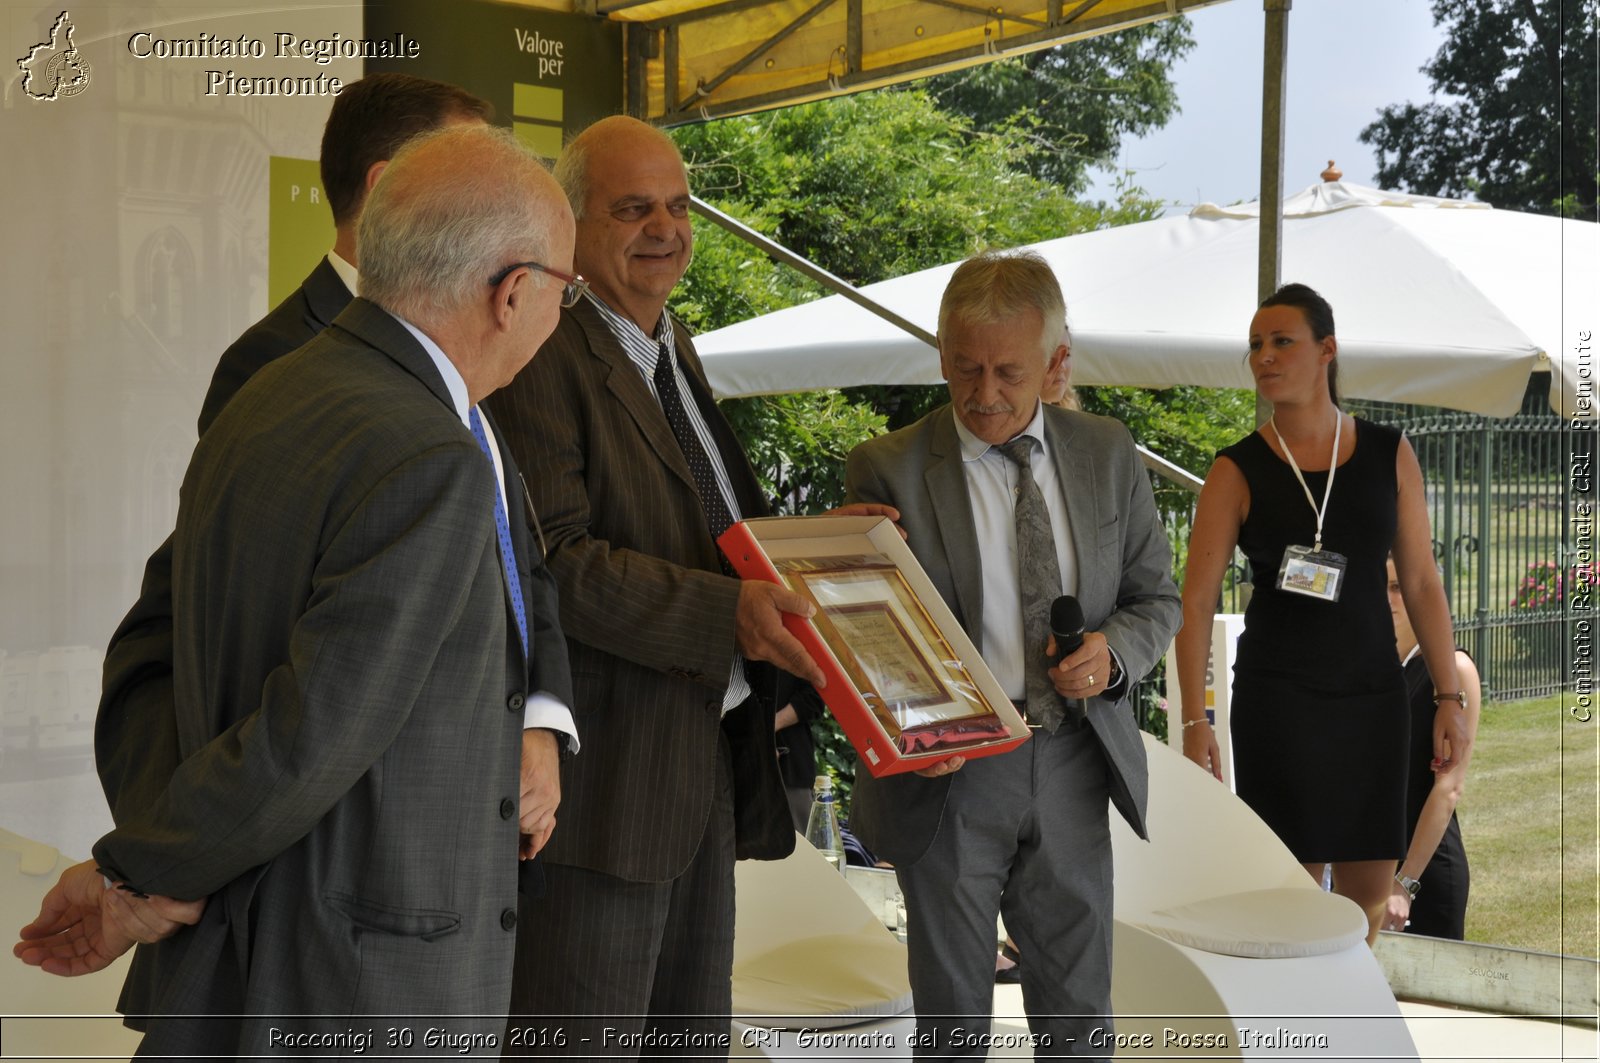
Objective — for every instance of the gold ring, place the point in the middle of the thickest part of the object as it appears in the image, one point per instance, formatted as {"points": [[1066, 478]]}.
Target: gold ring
{"points": [[1091, 680]]}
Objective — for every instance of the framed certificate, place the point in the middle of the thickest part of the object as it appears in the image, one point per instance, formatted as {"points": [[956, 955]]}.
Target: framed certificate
{"points": [[902, 678], [904, 668]]}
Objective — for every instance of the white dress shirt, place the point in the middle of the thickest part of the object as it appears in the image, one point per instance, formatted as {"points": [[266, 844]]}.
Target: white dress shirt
{"points": [[992, 487]]}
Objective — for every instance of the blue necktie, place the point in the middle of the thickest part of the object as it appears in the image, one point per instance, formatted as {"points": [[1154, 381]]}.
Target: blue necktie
{"points": [[508, 557]]}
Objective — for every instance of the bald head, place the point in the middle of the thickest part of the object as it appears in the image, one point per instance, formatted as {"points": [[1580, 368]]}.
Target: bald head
{"points": [[630, 195], [452, 208], [618, 134]]}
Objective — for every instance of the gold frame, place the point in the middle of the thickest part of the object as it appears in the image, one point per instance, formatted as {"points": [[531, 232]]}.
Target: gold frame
{"points": [[923, 654]]}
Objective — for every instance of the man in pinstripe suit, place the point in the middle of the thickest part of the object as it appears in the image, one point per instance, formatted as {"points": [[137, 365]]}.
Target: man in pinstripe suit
{"points": [[634, 473]]}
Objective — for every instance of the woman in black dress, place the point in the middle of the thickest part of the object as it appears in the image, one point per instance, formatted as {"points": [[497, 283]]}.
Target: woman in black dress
{"points": [[1317, 500], [1430, 890]]}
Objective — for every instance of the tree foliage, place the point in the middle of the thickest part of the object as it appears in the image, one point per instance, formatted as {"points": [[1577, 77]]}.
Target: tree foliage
{"points": [[869, 187], [1518, 125], [1075, 103]]}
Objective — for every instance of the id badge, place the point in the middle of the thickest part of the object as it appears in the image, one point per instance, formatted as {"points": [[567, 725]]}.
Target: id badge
{"points": [[1314, 573]]}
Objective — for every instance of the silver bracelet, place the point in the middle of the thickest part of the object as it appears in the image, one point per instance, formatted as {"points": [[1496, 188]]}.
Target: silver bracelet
{"points": [[1190, 723]]}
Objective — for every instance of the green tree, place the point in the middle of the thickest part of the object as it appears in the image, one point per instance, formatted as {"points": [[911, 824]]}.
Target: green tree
{"points": [[1076, 102], [869, 187], [1518, 123]]}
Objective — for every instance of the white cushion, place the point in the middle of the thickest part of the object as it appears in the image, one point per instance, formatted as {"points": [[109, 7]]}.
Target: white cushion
{"points": [[822, 981], [1262, 924]]}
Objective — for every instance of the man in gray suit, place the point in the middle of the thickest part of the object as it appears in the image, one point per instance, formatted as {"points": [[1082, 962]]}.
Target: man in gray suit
{"points": [[1061, 505], [352, 638]]}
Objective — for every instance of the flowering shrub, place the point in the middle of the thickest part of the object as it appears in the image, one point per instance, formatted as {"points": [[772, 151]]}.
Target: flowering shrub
{"points": [[1545, 584]]}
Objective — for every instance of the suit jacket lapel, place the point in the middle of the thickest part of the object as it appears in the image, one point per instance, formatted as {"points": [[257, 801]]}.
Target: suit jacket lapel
{"points": [[375, 326], [1076, 470], [326, 294], [625, 382], [952, 510]]}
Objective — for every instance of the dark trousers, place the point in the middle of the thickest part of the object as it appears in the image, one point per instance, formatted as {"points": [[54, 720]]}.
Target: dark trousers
{"points": [[608, 967]]}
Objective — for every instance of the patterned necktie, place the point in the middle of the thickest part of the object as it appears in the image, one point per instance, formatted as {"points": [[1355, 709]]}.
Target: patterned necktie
{"points": [[508, 557], [705, 480], [1039, 578]]}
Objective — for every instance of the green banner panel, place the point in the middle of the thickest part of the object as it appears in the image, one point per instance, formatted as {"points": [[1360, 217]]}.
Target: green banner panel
{"points": [[547, 74], [543, 140], [536, 101], [299, 224]]}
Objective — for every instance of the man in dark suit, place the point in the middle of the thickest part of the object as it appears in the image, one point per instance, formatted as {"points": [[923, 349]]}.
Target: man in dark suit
{"points": [[1060, 504], [135, 742], [352, 636], [635, 473], [368, 122]]}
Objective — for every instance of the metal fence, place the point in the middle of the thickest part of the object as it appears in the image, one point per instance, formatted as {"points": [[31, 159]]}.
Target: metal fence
{"points": [[1500, 499]]}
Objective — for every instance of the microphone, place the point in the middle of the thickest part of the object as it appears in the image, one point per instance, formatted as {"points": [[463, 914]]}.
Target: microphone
{"points": [[1066, 624]]}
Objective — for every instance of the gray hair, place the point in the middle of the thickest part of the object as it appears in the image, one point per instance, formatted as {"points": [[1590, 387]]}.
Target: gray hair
{"points": [[572, 167], [452, 207], [997, 285]]}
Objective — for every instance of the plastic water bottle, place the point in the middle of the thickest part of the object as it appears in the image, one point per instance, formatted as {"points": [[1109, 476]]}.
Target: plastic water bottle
{"points": [[822, 827]]}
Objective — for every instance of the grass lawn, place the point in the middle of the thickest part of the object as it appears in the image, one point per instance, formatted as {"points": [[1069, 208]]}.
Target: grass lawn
{"points": [[1528, 817]]}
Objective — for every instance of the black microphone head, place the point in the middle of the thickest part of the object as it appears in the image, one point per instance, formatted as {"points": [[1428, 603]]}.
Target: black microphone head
{"points": [[1066, 616]]}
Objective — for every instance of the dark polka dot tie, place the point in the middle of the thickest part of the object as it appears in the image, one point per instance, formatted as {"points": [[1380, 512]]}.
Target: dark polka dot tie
{"points": [[705, 479]]}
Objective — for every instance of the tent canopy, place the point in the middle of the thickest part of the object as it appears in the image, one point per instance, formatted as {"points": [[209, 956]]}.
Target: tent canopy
{"points": [[1437, 301], [694, 59]]}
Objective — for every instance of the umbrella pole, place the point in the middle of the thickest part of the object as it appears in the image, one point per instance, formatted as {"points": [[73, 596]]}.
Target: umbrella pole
{"points": [[779, 253], [1273, 87]]}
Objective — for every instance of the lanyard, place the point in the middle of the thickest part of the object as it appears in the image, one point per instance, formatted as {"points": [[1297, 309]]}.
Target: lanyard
{"points": [[1333, 467]]}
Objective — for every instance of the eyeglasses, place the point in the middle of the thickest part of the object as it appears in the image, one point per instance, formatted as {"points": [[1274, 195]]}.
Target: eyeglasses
{"points": [[574, 288]]}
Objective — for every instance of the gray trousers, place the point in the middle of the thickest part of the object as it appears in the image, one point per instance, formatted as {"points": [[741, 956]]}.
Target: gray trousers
{"points": [[1025, 834]]}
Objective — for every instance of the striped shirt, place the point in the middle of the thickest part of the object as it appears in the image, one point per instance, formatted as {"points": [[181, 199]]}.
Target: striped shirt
{"points": [[644, 352]]}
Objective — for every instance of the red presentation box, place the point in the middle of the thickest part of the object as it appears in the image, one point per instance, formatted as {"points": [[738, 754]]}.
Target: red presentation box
{"points": [[904, 681]]}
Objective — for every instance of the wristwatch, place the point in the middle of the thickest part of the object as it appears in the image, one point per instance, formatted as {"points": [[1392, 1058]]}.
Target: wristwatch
{"points": [[1459, 697], [1410, 885]]}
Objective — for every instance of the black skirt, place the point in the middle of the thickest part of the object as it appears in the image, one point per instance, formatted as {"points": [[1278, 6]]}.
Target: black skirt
{"points": [[1325, 770]]}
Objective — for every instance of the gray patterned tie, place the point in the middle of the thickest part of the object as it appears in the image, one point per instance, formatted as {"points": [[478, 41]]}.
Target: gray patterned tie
{"points": [[1039, 577]]}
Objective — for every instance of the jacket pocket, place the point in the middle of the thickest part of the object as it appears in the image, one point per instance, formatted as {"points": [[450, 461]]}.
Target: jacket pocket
{"points": [[429, 924]]}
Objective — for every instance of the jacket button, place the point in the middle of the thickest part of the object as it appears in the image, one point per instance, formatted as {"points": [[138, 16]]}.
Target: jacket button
{"points": [[714, 706], [508, 808], [516, 701], [508, 919]]}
